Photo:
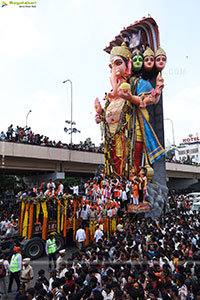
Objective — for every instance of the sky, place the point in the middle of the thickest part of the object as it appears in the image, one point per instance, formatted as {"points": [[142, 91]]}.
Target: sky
{"points": [[42, 46]]}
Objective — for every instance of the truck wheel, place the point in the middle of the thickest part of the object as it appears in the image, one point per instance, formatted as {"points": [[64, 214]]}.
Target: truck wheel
{"points": [[60, 243], [34, 248]]}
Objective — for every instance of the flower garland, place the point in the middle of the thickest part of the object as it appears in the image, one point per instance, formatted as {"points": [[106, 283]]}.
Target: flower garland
{"points": [[30, 225], [34, 200], [21, 217]]}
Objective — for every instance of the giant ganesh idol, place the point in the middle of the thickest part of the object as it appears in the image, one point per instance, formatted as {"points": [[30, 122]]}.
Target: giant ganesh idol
{"points": [[134, 104]]}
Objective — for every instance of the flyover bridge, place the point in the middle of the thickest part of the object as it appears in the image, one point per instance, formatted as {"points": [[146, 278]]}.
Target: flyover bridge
{"points": [[16, 158]]}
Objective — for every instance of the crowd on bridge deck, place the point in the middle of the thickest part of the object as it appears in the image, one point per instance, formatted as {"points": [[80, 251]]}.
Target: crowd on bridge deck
{"points": [[184, 161], [145, 259], [26, 136]]}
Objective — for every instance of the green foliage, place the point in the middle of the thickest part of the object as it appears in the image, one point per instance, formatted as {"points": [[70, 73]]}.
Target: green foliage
{"points": [[11, 184]]}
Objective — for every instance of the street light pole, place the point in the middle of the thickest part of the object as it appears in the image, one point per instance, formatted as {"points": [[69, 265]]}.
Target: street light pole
{"points": [[69, 80], [168, 119], [27, 116]]}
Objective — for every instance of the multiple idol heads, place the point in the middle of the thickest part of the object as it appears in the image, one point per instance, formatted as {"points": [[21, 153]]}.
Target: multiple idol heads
{"points": [[148, 60]]}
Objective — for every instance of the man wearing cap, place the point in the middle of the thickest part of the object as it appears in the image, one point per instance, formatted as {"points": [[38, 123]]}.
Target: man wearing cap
{"points": [[27, 273], [60, 258], [53, 277], [15, 268], [51, 250]]}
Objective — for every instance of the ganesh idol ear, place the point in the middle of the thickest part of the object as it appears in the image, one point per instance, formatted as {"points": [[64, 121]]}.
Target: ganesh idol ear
{"points": [[129, 67]]}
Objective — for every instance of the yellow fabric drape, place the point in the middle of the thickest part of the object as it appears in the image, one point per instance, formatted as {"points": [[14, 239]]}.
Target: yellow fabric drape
{"points": [[65, 219], [37, 212], [62, 218], [45, 217], [58, 219], [114, 225], [25, 223], [21, 218]]}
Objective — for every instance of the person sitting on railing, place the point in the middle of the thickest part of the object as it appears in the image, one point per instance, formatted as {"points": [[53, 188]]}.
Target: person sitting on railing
{"points": [[2, 136], [49, 192]]}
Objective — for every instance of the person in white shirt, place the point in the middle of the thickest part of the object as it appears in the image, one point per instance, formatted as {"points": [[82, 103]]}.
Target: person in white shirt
{"points": [[49, 192], [75, 189], [98, 234], [80, 236], [5, 264], [84, 215], [107, 292], [63, 269], [27, 273], [53, 277], [124, 199], [60, 189], [12, 228], [60, 258], [4, 225], [51, 184]]}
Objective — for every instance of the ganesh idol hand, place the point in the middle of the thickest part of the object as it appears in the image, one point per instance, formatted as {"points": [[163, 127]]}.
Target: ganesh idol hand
{"points": [[97, 106], [159, 84], [125, 94]]}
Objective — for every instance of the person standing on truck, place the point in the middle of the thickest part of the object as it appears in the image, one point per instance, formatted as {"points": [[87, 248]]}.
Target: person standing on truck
{"points": [[49, 192], [15, 268], [51, 250], [60, 189], [51, 184]]}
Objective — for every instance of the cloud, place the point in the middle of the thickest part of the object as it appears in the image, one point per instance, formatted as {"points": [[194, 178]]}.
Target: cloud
{"points": [[46, 99], [18, 36], [183, 109]]}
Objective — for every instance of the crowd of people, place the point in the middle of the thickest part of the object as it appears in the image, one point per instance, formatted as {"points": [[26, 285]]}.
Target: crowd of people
{"points": [[25, 135], [184, 161], [145, 259]]}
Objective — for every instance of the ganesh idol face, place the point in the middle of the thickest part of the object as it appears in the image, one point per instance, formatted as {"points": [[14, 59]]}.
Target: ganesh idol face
{"points": [[118, 66], [148, 63], [137, 62], [160, 62]]}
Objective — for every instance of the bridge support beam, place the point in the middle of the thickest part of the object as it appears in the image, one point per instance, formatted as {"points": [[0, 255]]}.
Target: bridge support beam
{"points": [[181, 184]]}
